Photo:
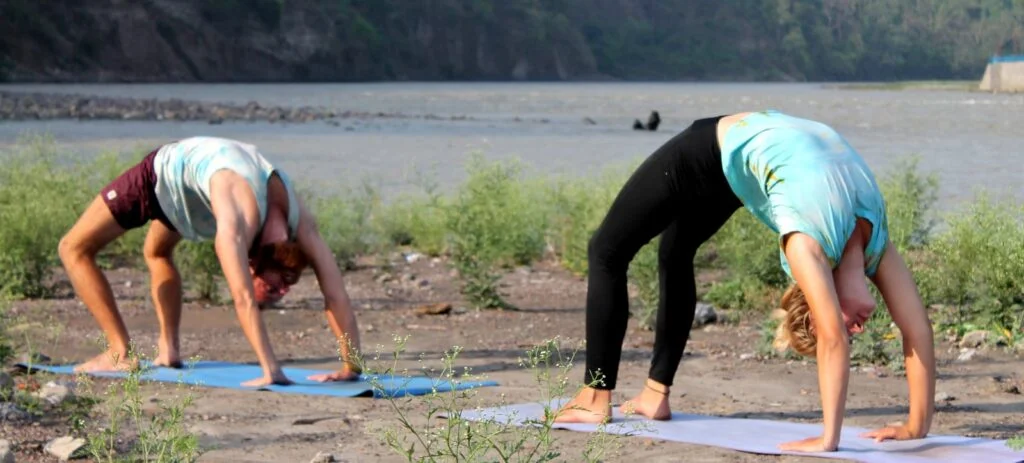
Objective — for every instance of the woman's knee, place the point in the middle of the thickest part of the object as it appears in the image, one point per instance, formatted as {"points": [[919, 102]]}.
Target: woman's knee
{"points": [[153, 250], [603, 255], [72, 248]]}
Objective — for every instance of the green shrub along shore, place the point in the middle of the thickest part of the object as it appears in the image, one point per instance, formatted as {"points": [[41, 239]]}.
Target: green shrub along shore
{"points": [[971, 273], [969, 263]]}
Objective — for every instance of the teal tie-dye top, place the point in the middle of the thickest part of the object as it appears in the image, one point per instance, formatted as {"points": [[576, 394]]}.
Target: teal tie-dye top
{"points": [[183, 172], [797, 175]]}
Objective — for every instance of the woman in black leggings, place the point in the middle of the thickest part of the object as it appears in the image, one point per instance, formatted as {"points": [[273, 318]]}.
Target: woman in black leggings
{"points": [[802, 180]]}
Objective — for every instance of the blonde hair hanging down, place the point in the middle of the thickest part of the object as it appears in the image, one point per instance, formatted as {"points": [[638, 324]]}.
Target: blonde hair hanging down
{"points": [[794, 330]]}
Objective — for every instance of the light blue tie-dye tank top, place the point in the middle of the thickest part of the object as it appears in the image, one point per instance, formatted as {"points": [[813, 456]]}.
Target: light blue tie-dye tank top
{"points": [[797, 175], [183, 171]]}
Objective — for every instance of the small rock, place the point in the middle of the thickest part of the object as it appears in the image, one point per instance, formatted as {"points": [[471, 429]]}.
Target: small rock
{"points": [[875, 372], [65, 447], [323, 457], [6, 455], [413, 257], [974, 338], [6, 384], [10, 412], [53, 393], [704, 314], [128, 284], [746, 356], [440, 308], [944, 397], [966, 355], [423, 283]]}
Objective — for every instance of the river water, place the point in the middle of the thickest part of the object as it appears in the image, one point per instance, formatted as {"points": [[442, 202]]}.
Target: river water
{"points": [[971, 140]]}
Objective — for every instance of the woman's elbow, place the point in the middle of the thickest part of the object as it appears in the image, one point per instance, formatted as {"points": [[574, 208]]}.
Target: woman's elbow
{"points": [[833, 341]]}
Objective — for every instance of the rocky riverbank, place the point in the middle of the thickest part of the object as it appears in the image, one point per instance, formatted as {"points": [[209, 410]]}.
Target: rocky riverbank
{"points": [[42, 106]]}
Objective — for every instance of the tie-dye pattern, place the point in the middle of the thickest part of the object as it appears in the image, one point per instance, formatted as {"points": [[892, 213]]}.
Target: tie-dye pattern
{"points": [[183, 171], [797, 175]]}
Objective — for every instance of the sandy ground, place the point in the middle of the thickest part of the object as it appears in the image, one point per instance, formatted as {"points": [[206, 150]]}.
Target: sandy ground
{"points": [[236, 425]]}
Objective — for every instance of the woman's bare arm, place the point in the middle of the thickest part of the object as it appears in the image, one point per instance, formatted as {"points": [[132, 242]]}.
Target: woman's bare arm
{"points": [[340, 315], [813, 274], [896, 284]]}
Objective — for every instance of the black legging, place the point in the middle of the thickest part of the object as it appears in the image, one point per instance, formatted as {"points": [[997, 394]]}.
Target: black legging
{"points": [[680, 192]]}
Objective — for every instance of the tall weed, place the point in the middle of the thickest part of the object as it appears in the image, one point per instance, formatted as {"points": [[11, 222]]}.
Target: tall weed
{"points": [[160, 436], [417, 438]]}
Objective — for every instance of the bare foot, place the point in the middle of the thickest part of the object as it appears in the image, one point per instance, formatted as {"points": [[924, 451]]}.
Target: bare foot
{"points": [[107, 362], [589, 406], [168, 360], [168, 357], [650, 403], [277, 378]]}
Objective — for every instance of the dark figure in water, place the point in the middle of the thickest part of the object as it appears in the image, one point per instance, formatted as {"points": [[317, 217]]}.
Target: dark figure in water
{"points": [[652, 122]]}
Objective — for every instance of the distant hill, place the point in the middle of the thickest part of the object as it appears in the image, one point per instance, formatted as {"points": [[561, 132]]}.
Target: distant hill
{"points": [[361, 40]]}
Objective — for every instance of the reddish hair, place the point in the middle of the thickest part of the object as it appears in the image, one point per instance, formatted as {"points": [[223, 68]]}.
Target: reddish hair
{"points": [[286, 257]]}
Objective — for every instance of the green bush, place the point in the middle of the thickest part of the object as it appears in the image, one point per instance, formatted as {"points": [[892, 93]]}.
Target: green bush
{"points": [[496, 219], [643, 274], [749, 249], [742, 293], [200, 268], [42, 193], [578, 207], [976, 265], [416, 222], [909, 199], [345, 221], [6, 346]]}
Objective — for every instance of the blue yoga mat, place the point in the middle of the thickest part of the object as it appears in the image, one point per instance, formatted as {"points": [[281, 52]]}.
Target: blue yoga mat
{"points": [[232, 375]]}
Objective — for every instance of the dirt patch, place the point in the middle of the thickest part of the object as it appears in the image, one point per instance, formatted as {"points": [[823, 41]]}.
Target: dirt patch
{"points": [[718, 375]]}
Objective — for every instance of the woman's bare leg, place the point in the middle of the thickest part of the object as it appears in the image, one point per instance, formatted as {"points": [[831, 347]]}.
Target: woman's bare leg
{"points": [[165, 284], [78, 248]]}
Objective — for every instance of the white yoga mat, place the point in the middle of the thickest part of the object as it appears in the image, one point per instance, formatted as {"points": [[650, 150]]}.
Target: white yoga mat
{"points": [[764, 436]]}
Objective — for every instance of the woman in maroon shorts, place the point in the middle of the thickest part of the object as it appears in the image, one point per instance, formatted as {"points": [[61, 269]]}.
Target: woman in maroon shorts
{"points": [[206, 188]]}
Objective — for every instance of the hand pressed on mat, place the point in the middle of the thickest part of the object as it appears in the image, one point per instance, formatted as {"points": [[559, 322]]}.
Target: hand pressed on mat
{"points": [[891, 432]]}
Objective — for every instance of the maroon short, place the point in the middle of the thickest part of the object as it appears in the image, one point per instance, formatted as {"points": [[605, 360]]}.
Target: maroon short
{"points": [[131, 197]]}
